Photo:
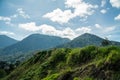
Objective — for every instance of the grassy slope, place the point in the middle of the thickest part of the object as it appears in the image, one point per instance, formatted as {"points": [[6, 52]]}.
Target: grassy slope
{"points": [[88, 63]]}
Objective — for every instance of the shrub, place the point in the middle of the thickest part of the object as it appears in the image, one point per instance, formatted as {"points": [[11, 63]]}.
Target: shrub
{"points": [[88, 78], [113, 57], [2, 73], [76, 78], [87, 53], [73, 58], [57, 56], [51, 77], [79, 56]]}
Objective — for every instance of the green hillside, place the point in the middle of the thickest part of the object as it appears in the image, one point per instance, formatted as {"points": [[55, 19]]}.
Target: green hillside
{"points": [[87, 63], [87, 39]]}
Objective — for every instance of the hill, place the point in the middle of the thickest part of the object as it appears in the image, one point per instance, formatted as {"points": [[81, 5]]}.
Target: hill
{"points": [[6, 41], [86, 40], [87, 63], [29, 44]]}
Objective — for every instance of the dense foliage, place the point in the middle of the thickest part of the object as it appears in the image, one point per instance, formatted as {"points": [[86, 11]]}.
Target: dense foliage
{"points": [[88, 63], [6, 68]]}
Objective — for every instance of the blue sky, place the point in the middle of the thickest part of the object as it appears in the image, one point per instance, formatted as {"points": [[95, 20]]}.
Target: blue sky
{"points": [[64, 18]]}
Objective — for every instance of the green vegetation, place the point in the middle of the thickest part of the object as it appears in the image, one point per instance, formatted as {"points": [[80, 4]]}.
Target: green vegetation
{"points": [[88, 63], [6, 68]]}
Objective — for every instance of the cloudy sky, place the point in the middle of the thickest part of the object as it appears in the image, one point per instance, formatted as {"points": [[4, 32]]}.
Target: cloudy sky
{"points": [[64, 18]]}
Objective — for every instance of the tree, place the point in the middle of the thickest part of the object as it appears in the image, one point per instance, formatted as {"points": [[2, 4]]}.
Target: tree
{"points": [[105, 42], [2, 73]]}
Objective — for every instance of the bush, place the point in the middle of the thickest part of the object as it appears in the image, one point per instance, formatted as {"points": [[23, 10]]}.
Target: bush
{"points": [[51, 77], [87, 53], [88, 78], [58, 55], [113, 57], [2, 73], [76, 78], [73, 58], [79, 56]]}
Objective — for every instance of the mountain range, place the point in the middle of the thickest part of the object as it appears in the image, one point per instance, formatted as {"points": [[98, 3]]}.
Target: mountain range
{"points": [[25, 48], [6, 41], [61, 59], [85, 40], [43, 42]]}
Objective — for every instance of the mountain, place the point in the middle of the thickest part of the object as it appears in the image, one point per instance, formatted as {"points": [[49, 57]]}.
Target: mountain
{"points": [[87, 63], [85, 40], [34, 42], [6, 41]]}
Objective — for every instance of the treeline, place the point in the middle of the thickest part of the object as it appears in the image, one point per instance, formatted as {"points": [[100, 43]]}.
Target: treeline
{"points": [[6, 67]]}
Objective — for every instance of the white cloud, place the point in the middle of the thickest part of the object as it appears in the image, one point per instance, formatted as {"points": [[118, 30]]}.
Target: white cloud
{"points": [[103, 11], [59, 16], [115, 3], [8, 19], [98, 26], [80, 9], [29, 26], [50, 30], [117, 17], [109, 36], [83, 30], [5, 18], [6, 33], [103, 2], [108, 29], [104, 29], [22, 13]]}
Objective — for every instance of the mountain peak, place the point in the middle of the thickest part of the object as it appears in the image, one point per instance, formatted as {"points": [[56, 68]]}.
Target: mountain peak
{"points": [[6, 41], [88, 34]]}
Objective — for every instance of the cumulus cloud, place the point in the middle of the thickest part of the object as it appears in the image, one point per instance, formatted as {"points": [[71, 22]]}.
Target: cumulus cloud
{"points": [[81, 9], [50, 30], [103, 2], [29, 26], [115, 3], [108, 29], [22, 13], [104, 29], [98, 26], [83, 30], [117, 17], [7, 20], [6, 33], [103, 11], [59, 16]]}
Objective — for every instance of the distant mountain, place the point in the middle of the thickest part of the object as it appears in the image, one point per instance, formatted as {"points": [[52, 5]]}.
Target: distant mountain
{"points": [[34, 42], [6, 41], [85, 40]]}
